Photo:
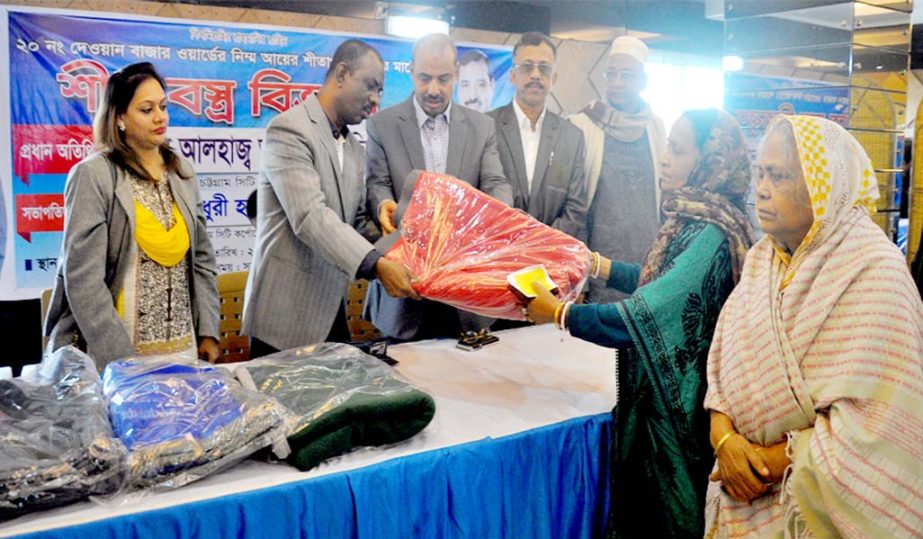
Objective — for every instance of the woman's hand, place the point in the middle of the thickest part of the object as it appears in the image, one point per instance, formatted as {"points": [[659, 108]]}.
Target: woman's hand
{"points": [[208, 349], [541, 309], [600, 266], [741, 469], [605, 267], [776, 460]]}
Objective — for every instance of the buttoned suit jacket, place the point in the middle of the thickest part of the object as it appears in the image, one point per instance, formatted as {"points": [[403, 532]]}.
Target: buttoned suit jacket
{"points": [[558, 196], [312, 230]]}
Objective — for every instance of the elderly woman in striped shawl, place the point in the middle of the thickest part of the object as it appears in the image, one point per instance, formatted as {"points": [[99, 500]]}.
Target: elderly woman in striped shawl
{"points": [[815, 374]]}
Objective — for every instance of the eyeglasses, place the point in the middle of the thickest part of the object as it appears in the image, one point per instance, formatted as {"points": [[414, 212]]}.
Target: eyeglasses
{"points": [[625, 75], [526, 68]]}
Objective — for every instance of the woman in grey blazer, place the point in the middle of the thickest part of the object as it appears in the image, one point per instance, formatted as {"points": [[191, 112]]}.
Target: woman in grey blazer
{"points": [[137, 269]]}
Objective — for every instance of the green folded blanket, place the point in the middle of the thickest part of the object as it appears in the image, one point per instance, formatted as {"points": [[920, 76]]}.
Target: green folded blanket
{"points": [[340, 399]]}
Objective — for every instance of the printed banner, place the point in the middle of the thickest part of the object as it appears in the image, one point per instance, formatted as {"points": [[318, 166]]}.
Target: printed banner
{"points": [[224, 84], [756, 99]]}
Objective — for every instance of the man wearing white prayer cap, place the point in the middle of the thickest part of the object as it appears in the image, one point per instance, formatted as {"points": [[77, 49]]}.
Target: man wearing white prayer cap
{"points": [[624, 143]]}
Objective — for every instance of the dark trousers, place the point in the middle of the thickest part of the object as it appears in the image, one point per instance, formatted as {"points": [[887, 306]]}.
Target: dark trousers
{"points": [[438, 321], [338, 333], [503, 323]]}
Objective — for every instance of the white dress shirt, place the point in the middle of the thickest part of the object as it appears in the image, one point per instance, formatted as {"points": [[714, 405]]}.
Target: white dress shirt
{"points": [[340, 142], [434, 134], [530, 139]]}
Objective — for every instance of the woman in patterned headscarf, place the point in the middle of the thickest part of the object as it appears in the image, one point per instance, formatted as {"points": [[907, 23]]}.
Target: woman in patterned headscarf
{"points": [[815, 375], [661, 457]]}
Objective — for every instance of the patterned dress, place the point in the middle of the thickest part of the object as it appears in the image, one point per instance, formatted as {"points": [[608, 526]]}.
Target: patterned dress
{"points": [[660, 452], [155, 303], [661, 455]]}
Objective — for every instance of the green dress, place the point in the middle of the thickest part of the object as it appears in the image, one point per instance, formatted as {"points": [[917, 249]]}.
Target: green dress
{"points": [[661, 456]]}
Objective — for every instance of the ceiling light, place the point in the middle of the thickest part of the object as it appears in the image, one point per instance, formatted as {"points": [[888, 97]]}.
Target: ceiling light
{"points": [[732, 63], [414, 27]]}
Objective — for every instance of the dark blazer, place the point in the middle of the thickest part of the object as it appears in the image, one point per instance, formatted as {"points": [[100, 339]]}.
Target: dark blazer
{"points": [[307, 246], [393, 150], [99, 224], [558, 196]]}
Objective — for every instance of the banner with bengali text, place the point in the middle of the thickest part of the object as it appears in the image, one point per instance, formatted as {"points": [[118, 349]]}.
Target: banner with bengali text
{"points": [[756, 99], [225, 82]]}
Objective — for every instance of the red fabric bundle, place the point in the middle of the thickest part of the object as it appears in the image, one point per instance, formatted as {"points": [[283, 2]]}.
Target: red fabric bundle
{"points": [[461, 244]]}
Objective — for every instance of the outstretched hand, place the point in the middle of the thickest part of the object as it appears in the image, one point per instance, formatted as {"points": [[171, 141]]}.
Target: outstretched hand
{"points": [[541, 309], [396, 278]]}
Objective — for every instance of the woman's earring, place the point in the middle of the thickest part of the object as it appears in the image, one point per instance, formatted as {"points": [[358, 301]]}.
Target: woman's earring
{"points": [[121, 126]]}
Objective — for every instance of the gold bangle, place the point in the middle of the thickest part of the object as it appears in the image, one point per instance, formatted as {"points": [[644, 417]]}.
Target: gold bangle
{"points": [[721, 442], [557, 314]]}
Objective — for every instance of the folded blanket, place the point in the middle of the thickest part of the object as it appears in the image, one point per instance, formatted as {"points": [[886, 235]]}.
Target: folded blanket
{"points": [[56, 445], [341, 399], [184, 422], [461, 245]]}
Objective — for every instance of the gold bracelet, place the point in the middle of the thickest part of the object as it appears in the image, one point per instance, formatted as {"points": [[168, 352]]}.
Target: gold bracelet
{"points": [[557, 314], [721, 442]]}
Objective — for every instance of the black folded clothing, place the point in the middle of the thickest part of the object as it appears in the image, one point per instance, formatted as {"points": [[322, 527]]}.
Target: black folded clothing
{"points": [[341, 399], [57, 445]]}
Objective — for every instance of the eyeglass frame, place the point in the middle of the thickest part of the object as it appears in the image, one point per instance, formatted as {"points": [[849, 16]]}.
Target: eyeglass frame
{"points": [[541, 66], [627, 75]]}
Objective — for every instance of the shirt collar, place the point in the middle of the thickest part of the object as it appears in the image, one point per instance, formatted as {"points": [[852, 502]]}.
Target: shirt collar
{"points": [[341, 134], [337, 134], [421, 114], [523, 120]]}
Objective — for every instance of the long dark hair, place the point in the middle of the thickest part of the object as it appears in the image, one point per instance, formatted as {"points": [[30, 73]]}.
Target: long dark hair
{"points": [[120, 90]]}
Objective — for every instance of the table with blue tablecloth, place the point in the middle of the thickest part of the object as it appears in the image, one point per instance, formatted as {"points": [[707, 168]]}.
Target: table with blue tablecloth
{"points": [[518, 448]]}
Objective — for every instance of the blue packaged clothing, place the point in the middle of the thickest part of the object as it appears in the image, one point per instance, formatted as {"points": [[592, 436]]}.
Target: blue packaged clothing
{"points": [[56, 445], [340, 398], [183, 422], [169, 401]]}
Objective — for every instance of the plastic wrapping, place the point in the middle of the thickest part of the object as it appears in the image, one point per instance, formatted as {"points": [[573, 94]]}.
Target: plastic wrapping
{"points": [[462, 244], [184, 422], [341, 398], [56, 445]]}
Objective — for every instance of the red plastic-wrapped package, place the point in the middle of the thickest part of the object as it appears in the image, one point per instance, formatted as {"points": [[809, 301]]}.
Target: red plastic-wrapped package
{"points": [[461, 244]]}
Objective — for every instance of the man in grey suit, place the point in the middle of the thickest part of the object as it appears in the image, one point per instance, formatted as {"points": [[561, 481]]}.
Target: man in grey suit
{"points": [[311, 202], [427, 133], [543, 154]]}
